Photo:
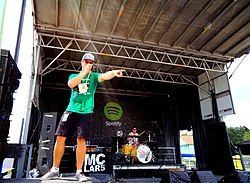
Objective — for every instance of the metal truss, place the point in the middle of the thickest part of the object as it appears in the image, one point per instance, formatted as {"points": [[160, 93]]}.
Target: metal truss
{"points": [[74, 66], [135, 52], [149, 75]]}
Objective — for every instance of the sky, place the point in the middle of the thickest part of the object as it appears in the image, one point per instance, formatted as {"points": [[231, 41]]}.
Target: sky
{"points": [[239, 82], [10, 30], [240, 90]]}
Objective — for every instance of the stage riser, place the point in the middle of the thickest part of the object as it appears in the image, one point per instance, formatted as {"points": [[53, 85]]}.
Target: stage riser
{"points": [[149, 170]]}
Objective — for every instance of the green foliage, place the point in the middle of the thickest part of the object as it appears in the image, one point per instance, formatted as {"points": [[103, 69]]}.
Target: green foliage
{"points": [[238, 134], [246, 136]]}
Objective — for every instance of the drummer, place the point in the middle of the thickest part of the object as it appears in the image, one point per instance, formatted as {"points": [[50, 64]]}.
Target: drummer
{"points": [[133, 137]]}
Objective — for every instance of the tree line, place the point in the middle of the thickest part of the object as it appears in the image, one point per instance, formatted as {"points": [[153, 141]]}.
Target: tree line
{"points": [[238, 134]]}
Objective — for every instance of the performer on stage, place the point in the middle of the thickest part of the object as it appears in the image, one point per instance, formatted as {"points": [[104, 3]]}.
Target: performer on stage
{"points": [[78, 115], [133, 137]]}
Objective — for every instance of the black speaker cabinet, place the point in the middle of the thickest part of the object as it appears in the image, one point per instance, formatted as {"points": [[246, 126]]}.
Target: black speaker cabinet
{"points": [[203, 177], [175, 177], [47, 140], [219, 156], [9, 82], [4, 132]]}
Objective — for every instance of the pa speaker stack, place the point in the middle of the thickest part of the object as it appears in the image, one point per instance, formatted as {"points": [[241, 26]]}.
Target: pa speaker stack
{"points": [[9, 82]]}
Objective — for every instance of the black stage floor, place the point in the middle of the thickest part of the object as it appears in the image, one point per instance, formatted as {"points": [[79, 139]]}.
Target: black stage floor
{"points": [[121, 174], [73, 180]]}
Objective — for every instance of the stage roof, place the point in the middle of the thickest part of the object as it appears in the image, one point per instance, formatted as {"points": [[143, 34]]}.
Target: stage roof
{"points": [[153, 40]]}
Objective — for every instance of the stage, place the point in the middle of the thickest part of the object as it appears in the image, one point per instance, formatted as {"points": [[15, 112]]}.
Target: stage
{"points": [[146, 169], [73, 180]]}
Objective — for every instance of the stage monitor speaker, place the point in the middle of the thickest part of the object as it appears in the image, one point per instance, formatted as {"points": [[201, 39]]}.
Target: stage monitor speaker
{"points": [[203, 177], [219, 156], [175, 177], [46, 142]]}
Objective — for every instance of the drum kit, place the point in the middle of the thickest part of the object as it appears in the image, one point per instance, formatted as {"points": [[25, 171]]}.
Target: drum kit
{"points": [[135, 152]]}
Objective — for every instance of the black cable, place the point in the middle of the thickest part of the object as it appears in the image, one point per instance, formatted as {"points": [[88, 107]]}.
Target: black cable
{"points": [[237, 66], [34, 131], [40, 117]]}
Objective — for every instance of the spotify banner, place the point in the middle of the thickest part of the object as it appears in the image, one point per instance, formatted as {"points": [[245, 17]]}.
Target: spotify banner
{"points": [[121, 113]]}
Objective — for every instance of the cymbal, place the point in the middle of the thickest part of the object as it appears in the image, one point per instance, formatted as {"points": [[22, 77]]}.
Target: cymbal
{"points": [[116, 137], [131, 136]]}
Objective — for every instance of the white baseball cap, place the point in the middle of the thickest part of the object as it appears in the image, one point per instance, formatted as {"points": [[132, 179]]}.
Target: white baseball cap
{"points": [[88, 56]]}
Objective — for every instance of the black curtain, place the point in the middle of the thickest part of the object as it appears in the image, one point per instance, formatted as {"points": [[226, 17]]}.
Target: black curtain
{"points": [[170, 126]]}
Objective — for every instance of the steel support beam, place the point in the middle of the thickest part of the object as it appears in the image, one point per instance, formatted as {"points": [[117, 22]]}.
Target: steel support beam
{"points": [[118, 16], [240, 13], [158, 14], [75, 33], [212, 23], [175, 20], [204, 9], [57, 57], [142, 7], [130, 52], [100, 6], [247, 25], [74, 66]]}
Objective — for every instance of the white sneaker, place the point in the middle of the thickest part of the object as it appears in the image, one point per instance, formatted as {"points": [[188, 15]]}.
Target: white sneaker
{"points": [[81, 177], [50, 175]]}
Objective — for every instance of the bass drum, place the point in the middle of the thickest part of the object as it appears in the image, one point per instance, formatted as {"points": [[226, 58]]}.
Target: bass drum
{"points": [[144, 154], [129, 149]]}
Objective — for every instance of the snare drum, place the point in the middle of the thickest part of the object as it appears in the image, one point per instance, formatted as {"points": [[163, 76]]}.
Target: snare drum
{"points": [[129, 149], [144, 154]]}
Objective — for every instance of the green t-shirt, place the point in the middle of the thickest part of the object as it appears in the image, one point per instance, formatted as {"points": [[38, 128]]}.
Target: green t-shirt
{"points": [[83, 103]]}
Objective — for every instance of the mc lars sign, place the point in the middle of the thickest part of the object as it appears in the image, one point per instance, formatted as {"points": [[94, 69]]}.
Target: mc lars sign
{"points": [[95, 162]]}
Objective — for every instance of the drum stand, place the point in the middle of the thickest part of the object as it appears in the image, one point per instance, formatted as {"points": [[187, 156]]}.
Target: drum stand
{"points": [[117, 146], [149, 139], [116, 142]]}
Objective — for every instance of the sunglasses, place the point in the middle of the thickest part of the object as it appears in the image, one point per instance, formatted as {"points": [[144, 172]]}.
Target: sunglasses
{"points": [[88, 61]]}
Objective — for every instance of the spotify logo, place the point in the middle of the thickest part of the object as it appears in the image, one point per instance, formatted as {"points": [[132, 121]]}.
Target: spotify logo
{"points": [[113, 111]]}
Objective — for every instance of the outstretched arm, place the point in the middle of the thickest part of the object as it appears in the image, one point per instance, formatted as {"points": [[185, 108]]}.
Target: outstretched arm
{"points": [[110, 74]]}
